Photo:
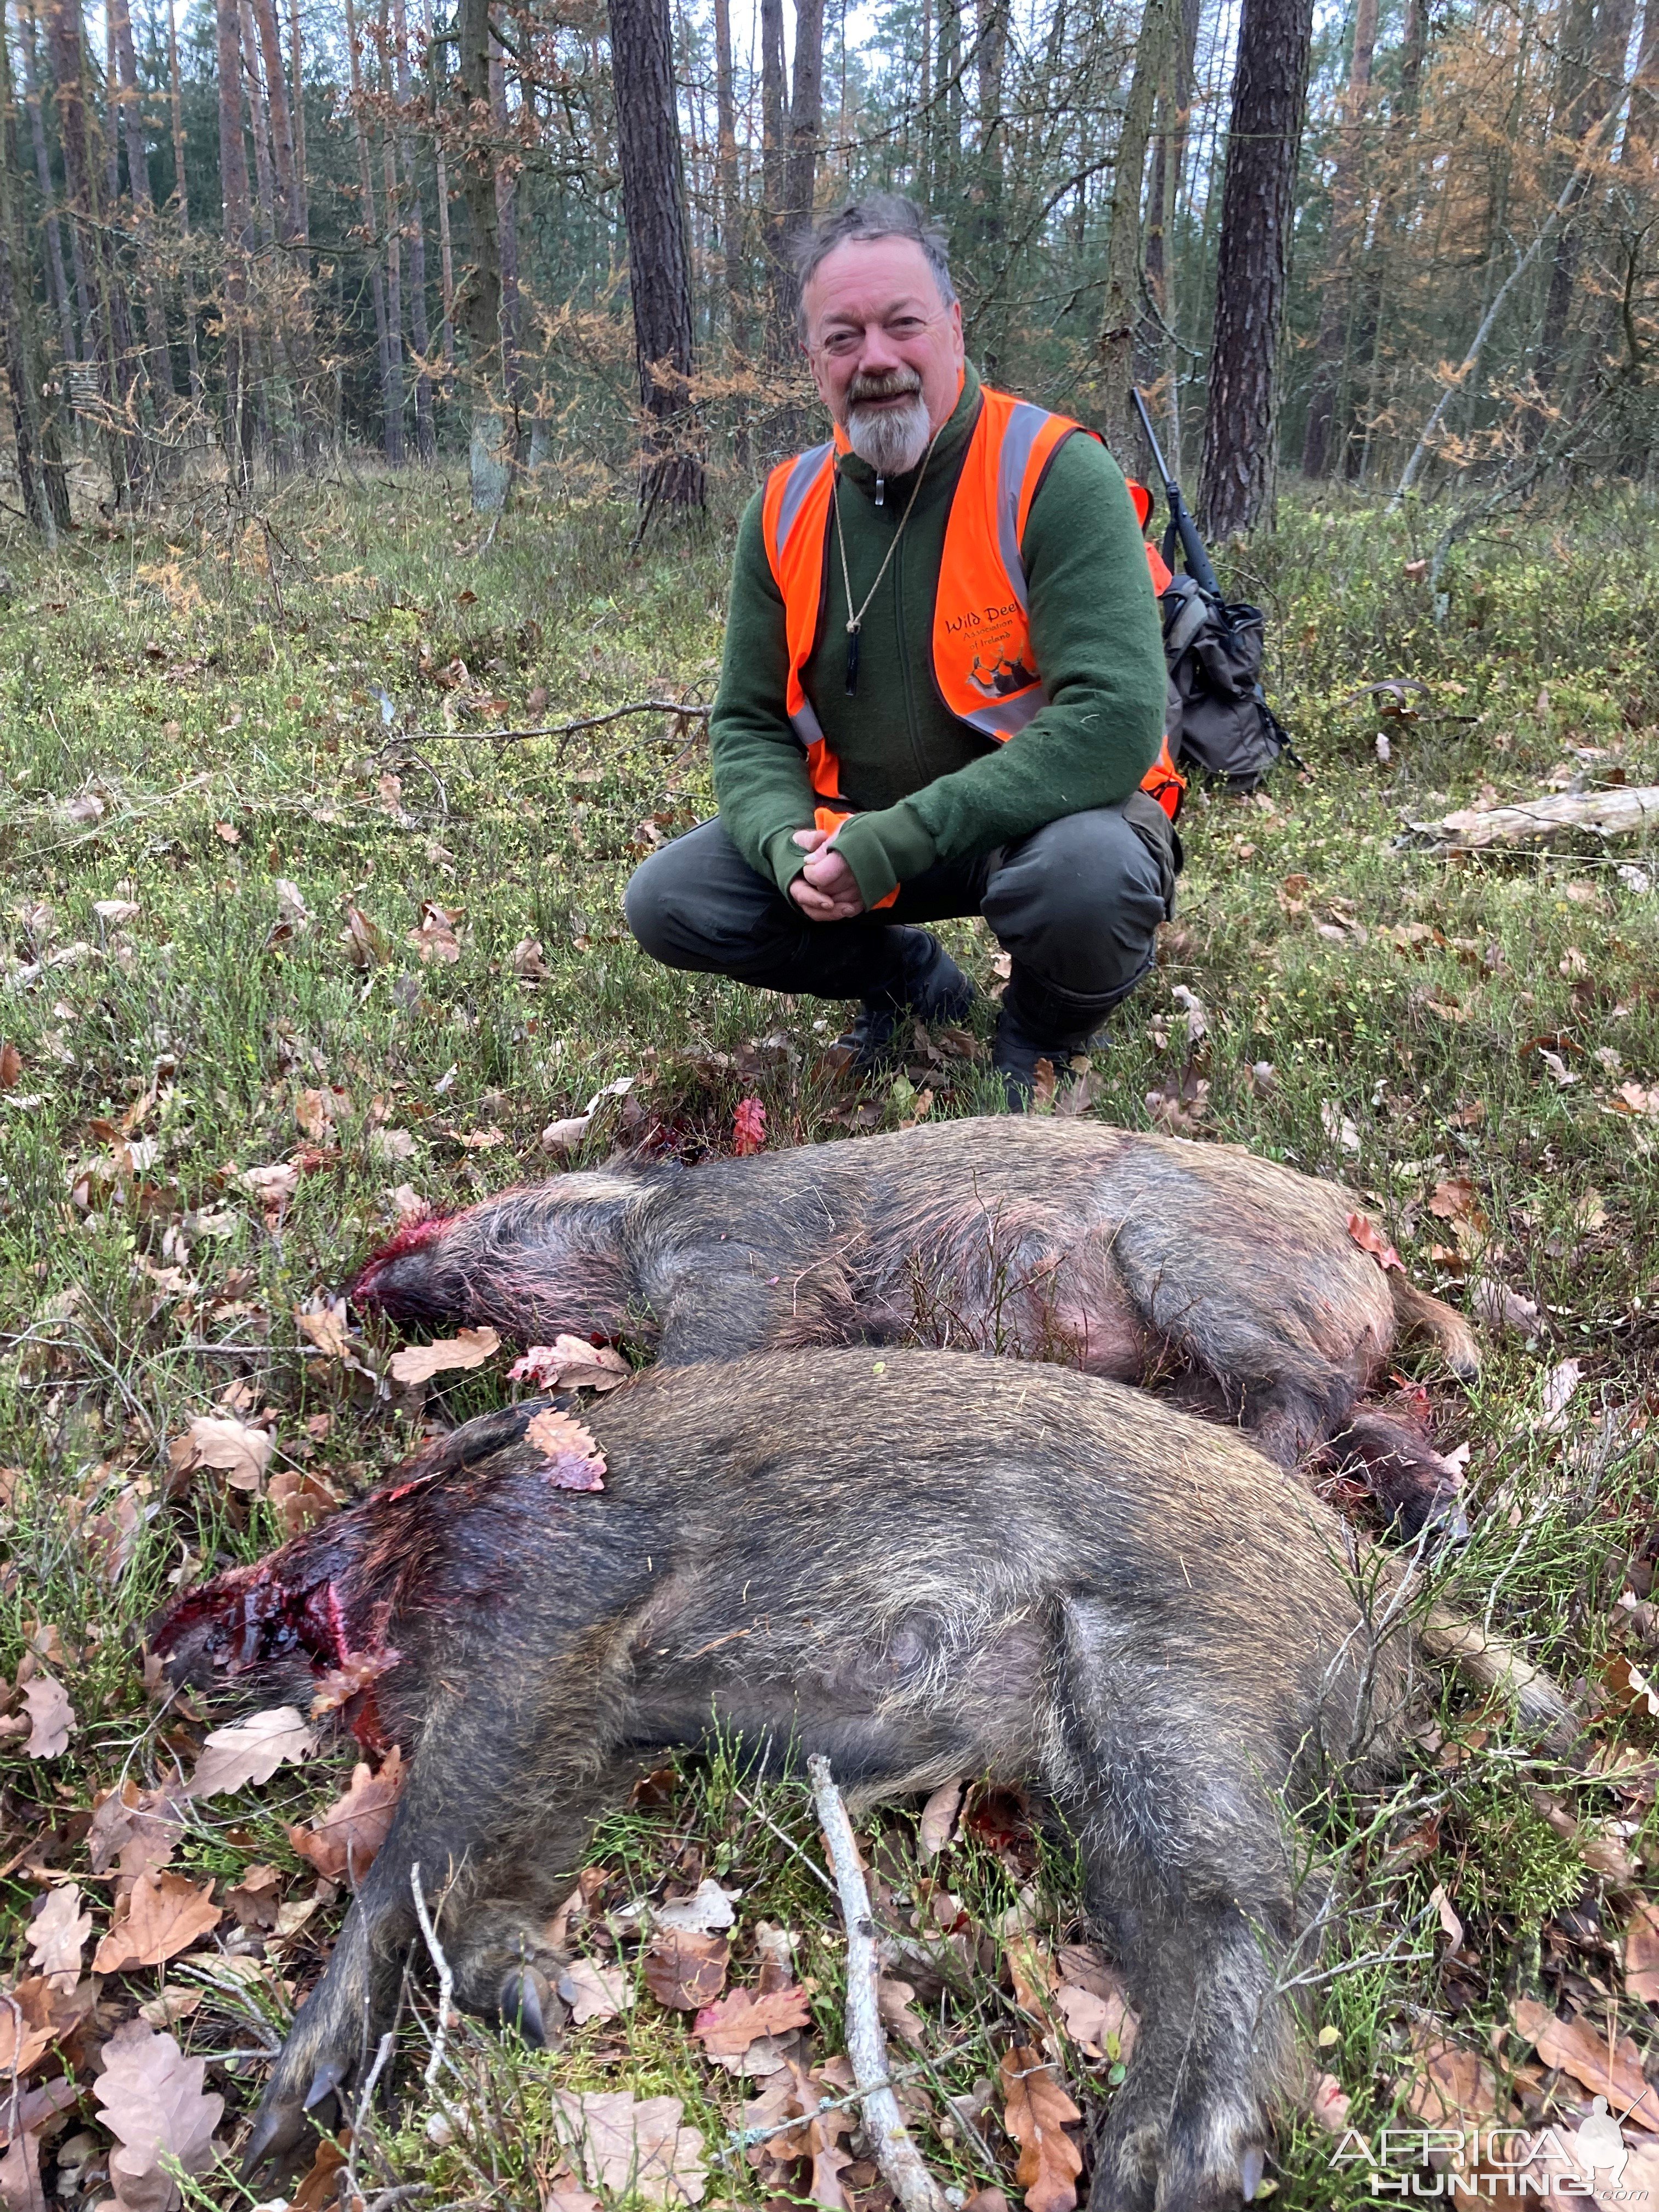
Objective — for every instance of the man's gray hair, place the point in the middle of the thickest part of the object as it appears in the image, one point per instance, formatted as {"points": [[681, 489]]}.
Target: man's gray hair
{"points": [[878, 215]]}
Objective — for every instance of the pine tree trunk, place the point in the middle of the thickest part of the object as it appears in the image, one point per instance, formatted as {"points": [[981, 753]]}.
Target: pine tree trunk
{"points": [[805, 129], [479, 304], [731, 204], [1168, 162], [17, 329], [187, 279], [297, 70], [774, 180], [291, 291], [507, 227], [394, 239], [445, 251], [390, 392], [1270, 85], [60, 298], [109, 336], [239, 355], [1568, 122], [290, 202], [660, 276], [1347, 207], [425, 434], [1121, 313], [159, 356]]}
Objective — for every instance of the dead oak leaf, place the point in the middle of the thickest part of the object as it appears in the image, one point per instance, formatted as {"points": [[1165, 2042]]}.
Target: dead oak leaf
{"points": [[939, 1819], [167, 1915], [1453, 2086], [728, 2029], [419, 1363], [634, 2146], [26, 2027], [154, 2105], [1036, 2114], [52, 1718], [341, 1684], [570, 1363], [1577, 2048], [57, 1936], [1642, 1952], [1370, 1238], [26, 2117], [252, 1751], [683, 1971], [344, 1841], [594, 1992], [1629, 1690], [573, 1458], [230, 1447]]}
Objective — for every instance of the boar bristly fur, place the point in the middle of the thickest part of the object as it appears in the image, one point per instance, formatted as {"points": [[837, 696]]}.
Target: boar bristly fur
{"points": [[1124, 1255], [922, 1567]]}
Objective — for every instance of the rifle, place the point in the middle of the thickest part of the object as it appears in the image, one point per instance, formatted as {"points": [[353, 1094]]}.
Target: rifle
{"points": [[1182, 525]]}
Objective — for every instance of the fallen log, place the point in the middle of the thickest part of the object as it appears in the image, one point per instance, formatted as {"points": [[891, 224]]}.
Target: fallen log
{"points": [[1620, 812]]}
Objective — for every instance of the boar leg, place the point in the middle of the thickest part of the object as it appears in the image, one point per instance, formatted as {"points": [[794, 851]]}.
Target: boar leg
{"points": [[479, 1778], [1188, 1878]]}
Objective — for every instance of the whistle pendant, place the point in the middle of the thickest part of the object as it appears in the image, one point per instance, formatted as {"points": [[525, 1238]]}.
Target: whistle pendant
{"points": [[852, 660]]}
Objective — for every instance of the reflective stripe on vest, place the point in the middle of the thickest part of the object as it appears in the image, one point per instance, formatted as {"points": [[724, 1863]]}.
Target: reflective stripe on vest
{"points": [[983, 664]]}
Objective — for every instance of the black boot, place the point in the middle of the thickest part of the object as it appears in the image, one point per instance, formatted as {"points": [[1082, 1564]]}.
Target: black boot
{"points": [[927, 986], [1039, 1022]]}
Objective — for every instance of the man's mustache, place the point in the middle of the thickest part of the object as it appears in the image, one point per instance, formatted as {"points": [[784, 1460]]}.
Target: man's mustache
{"points": [[896, 382]]}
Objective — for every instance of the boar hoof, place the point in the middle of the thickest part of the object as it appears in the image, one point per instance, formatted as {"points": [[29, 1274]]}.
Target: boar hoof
{"points": [[526, 2001], [279, 2132], [325, 2082]]}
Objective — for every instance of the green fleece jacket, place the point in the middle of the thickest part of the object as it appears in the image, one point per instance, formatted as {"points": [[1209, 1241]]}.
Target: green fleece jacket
{"points": [[928, 787]]}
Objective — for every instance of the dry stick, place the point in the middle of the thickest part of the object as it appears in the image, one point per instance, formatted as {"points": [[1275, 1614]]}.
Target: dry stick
{"points": [[567, 729], [866, 2047], [446, 1976]]}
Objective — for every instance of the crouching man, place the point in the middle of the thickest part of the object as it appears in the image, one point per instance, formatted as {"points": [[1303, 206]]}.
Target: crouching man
{"points": [[943, 692]]}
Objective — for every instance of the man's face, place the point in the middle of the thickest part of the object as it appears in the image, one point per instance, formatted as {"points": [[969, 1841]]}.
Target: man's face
{"points": [[886, 352]]}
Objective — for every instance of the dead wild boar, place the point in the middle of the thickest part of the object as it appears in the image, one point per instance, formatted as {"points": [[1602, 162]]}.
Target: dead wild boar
{"points": [[1127, 1255], [922, 1566]]}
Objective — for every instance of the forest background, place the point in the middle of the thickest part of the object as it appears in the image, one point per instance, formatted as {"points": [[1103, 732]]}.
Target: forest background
{"points": [[265, 230]]}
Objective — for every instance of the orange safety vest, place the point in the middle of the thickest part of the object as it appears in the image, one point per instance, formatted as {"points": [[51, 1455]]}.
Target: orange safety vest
{"points": [[984, 666]]}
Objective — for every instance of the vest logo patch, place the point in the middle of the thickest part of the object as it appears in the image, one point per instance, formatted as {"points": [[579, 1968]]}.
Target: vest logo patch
{"points": [[1002, 678]]}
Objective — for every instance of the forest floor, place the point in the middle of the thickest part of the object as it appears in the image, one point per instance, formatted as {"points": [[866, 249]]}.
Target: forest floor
{"points": [[279, 970]]}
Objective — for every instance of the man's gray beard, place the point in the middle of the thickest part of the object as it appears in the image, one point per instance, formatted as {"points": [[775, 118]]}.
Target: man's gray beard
{"points": [[892, 440]]}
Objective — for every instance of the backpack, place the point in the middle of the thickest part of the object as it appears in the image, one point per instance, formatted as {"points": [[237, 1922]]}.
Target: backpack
{"points": [[1218, 718]]}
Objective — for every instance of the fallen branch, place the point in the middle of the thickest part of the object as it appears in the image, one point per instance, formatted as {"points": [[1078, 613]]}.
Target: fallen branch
{"points": [[563, 729], [1620, 812], [446, 1976], [866, 2047]]}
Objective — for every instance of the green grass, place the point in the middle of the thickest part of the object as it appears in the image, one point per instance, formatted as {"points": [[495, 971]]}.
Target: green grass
{"points": [[192, 716]]}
